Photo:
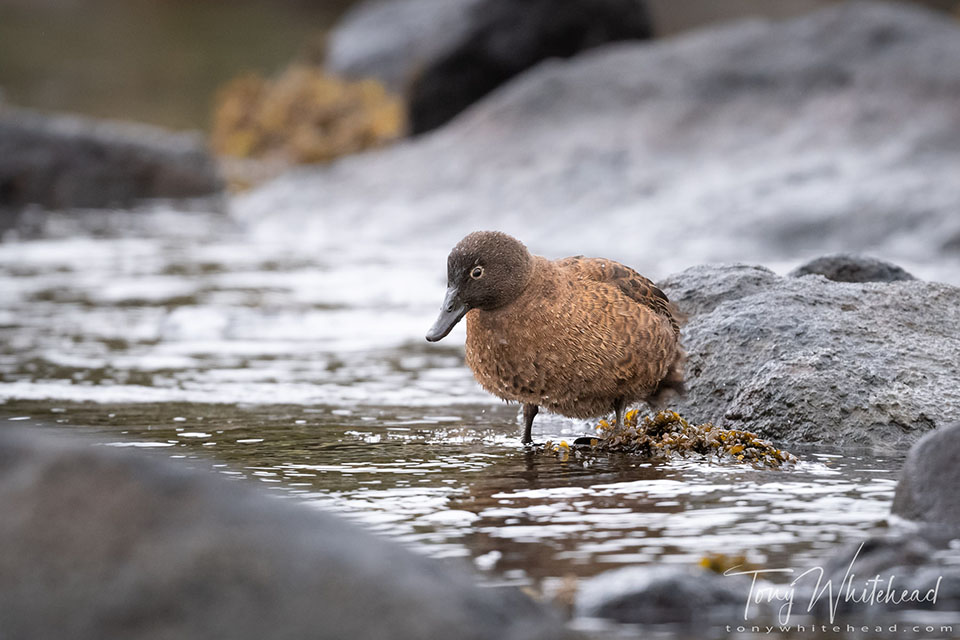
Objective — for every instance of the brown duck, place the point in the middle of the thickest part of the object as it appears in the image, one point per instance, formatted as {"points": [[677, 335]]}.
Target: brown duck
{"points": [[579, 336]]}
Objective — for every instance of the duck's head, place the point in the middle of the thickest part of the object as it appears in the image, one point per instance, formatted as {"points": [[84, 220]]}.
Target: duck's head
{"points": [[486, 270]]}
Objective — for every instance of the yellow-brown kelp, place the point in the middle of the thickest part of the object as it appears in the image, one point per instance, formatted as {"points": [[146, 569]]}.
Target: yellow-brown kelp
{"points": [[667, 434]]}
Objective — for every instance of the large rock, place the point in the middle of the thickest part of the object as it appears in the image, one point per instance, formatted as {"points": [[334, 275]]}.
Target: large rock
{"points": [[928, 489], [107, 544], [446, 55], [766, 142], [812, 360], [66, 162]]}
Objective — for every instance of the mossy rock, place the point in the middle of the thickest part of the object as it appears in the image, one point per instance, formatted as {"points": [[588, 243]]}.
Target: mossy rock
{"points": [[303, 116], [667, 435]]}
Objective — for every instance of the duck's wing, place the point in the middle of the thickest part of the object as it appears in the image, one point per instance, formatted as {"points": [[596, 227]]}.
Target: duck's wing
{"points": [[631, 284]]}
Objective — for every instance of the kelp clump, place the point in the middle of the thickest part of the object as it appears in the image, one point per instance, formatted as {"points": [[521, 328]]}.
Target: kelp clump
{"points": [[303, 116], [667, 434]]}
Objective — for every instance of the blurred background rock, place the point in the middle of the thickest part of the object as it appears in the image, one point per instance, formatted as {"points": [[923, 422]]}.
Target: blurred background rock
{"points": [[283, 82], [162, 61]]}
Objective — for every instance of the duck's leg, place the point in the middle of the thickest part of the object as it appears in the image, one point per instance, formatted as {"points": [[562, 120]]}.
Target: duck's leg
{"points": [[618, 406], [529, 413]]}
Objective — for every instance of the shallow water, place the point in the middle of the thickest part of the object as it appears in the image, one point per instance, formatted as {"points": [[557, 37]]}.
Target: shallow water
{"points": [[455, 482], [304, 369]]}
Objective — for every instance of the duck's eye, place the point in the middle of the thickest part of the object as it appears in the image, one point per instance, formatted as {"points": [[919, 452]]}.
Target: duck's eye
{"points": [[477, 273]]}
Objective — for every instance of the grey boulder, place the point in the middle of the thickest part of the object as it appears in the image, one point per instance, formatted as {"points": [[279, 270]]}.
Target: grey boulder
{"points": [[664, 595], [929, 488], [69, 162], [101, 543], [812, 360], [845, 267]]}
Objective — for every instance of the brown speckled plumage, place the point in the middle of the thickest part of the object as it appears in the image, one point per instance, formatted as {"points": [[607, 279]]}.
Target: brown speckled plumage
{"points": [[579, 336]]}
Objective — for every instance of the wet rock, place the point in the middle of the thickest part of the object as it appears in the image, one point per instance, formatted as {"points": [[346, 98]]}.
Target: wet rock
{"points": [[447, 55], [66, 162], [844, 267], [927, 491], [713, 146], [663, 595], [109, 544], [812, 360]]}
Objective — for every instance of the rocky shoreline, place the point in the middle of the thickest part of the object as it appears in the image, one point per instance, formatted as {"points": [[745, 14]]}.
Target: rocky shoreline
{"points": [[113, 539], [749, 144]]}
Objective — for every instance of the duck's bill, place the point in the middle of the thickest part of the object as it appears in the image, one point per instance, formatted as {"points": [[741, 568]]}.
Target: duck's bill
{"points": [[450, 314]]}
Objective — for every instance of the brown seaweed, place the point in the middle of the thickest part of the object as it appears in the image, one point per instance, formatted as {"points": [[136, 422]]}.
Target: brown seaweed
{"points": [[668, 435]]}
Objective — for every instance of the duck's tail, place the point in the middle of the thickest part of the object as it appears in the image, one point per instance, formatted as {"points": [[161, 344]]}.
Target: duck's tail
{"points": [[672, 384]]}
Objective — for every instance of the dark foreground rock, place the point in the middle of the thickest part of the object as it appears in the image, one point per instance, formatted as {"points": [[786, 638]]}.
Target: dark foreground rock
{"points": [[446, 55], [900, 563], [844, 267], [929, 487], [66, 162], [106, 544], [759, 141], [664, 595], [812, 360]]}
